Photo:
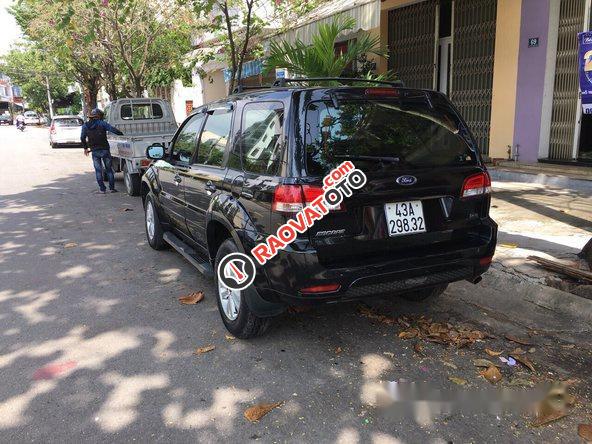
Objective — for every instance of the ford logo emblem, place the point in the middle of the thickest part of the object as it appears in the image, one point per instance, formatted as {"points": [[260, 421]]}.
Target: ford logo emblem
{"points": [[406, 180]]}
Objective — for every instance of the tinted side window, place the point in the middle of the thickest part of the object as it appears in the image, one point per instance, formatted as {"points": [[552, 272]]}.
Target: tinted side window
{"points": [[261, 137], [214, 138], [186, 141]]}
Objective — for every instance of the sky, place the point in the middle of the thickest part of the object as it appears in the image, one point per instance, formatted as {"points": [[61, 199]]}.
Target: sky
{"points": [[10, 30]]}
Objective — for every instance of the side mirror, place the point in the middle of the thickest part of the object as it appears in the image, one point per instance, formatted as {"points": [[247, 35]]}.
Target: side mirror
{"points": [[155, 152]]}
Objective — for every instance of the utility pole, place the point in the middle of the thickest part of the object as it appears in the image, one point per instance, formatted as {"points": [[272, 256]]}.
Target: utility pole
{"points": [[49, 97]]}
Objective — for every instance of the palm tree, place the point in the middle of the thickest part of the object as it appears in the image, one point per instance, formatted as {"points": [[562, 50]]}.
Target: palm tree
{"points": [[320, 59]]}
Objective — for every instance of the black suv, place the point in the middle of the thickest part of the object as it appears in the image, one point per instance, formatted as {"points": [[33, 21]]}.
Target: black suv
{"points": [[239, 168]]}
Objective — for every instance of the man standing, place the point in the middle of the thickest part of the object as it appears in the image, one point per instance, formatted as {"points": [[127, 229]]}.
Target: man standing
{"points": [[94, 139]]}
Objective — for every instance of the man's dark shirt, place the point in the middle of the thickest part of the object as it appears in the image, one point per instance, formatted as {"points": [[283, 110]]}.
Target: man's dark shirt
{"points": [[94, 134]]}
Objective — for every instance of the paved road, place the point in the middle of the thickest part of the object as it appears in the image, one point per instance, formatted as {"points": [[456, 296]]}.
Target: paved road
{"points": [[95, 346]]}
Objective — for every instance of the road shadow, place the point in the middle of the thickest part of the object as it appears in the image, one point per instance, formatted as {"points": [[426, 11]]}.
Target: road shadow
{"points": [[96, 347]]}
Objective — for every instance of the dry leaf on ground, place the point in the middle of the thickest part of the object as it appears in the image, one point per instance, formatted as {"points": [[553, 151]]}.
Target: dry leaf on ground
{"points": [[192, 299], [409, 334], [458, 381], [523, 359], [493, 353], [492, 374], [550, 416], [202, 350], [585, 432], [418, 348], [70, 245], [229, 337], [372, 314], [484, 363], [450, 364], [256, 412], [517, 340], [338, 350]]}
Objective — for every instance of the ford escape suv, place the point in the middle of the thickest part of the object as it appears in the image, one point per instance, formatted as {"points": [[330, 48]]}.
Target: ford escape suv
{"points": [[239, 168]]}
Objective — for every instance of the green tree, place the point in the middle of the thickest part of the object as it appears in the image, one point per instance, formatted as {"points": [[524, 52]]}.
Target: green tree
{"points": [[320, 58], [31, 68]]}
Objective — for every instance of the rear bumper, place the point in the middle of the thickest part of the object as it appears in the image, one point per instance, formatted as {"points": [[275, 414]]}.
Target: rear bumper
{"points": [[281, 279]]}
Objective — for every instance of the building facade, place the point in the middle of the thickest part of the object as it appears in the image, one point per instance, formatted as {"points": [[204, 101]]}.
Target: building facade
{"points": [[510, 66]]}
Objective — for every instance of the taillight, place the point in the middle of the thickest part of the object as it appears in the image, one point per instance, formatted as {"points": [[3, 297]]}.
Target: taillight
{"points": [[476, 185], [287, 199], [317, 289], [52, 129], [293, 198]]}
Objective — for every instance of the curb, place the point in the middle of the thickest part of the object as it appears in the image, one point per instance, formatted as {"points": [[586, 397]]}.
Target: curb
{"points": [[521, 299], [540, 178]]}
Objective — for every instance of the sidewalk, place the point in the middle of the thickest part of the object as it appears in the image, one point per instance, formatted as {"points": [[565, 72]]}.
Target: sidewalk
{"points": [[561, 176], [544, 221]]}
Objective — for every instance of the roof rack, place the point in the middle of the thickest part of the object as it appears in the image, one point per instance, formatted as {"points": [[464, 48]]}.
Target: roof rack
{"points": [[242, 88], [283, 82]]}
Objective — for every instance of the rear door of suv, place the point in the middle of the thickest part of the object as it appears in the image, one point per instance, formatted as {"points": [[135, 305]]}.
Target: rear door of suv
{"points": [[417, 155]]}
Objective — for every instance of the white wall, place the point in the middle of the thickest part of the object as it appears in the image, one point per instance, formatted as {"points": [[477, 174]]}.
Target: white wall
{"points": [[180, 94]]}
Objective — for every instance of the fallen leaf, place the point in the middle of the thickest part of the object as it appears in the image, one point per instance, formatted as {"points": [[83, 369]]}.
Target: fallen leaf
{"points": [[521, 382], [409, 334], [458, 381], [229, 337], [372, 314], [338, 350], [508, 245], [256, 412], [493, 353], [389, 354], [492, 374], [70, 245], [123, 210], [548, 417], [521, 341], [523, 359], [202, 350], [484, 363], [450, 364], [418, 348], [585, 432], [517, 351], [192, 299]]}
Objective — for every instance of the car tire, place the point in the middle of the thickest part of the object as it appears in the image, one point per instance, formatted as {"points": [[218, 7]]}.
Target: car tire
{"points": [[54, 145], [424, 294], [154, 231], [132, 181], [242, 323]]}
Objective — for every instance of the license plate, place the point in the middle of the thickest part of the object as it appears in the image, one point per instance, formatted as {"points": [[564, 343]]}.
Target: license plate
{"points": [[405, 218]]}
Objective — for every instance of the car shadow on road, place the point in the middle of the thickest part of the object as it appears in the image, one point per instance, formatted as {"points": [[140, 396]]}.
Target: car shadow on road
{"points": [[96, 346]]}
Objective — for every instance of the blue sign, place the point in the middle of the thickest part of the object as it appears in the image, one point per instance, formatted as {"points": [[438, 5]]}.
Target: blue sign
{"points": [[585, 70]]}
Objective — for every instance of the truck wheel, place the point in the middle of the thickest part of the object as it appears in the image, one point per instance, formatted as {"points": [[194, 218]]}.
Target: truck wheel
{"points": [[425, 293], [234, 310], [132, 181], [154, 231]]}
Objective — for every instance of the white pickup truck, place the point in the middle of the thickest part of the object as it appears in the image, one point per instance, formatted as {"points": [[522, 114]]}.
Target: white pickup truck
{"points": [[143, 122]]}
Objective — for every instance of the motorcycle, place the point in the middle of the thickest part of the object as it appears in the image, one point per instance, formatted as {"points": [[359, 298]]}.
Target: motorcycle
{"points": [[20, 126]]}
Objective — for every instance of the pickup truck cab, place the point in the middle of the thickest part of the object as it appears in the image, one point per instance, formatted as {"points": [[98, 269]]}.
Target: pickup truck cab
{"points": [[143, 121], [240, 168]]}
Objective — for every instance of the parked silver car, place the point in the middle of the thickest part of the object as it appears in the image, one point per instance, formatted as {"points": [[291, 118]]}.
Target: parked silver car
{"points": [[65, 130], [32, 118]]}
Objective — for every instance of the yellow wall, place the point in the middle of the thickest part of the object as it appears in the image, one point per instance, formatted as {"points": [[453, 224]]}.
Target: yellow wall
{"points": [[505, 77]]}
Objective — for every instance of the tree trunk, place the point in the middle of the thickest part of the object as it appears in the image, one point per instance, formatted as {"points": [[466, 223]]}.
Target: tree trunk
{"points": [[90, 95], [586, 253]]}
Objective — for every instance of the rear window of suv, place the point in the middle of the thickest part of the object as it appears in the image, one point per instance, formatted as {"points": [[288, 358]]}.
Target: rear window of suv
{"points": [[390, 133]]}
